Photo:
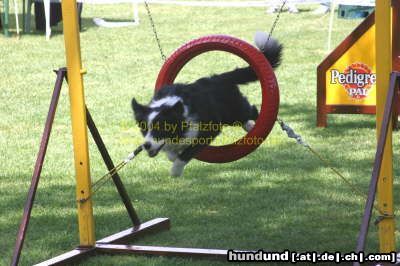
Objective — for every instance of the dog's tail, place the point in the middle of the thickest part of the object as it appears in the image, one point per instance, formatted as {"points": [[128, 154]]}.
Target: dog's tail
{"points": [[272, 51]]}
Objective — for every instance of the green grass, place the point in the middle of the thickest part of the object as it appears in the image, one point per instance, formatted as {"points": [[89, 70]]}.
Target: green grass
{"points": [[279, 197]]}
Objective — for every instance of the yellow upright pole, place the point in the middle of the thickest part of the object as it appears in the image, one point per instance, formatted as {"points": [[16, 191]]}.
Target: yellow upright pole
{"points": [[78, 120], [383, 22]]}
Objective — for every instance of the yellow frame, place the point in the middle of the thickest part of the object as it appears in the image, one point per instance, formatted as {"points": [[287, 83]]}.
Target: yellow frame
{"points": [[78, 121], [383, 20]]}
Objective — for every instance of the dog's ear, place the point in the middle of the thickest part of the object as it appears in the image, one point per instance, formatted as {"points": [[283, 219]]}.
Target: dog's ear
{"points": [[177, 108], [139, 109]]}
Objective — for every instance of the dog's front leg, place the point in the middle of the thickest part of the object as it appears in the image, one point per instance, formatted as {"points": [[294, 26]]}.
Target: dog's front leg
{"points": [[184, 158], [172, 156], [177, 167]]}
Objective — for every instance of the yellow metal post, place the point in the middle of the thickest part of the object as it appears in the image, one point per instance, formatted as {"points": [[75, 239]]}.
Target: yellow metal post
{"points": [[383, 20], [78, 121]]}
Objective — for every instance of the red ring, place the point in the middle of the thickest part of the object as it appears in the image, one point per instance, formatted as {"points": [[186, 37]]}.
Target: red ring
{"points": [[265, 74]]}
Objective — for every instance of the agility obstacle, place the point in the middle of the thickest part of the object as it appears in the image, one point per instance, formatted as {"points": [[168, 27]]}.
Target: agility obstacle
{"points": [[81, 119], [269, 88]]}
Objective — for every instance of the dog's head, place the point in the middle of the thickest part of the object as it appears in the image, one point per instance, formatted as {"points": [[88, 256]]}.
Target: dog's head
{"points": [[160, 122]]}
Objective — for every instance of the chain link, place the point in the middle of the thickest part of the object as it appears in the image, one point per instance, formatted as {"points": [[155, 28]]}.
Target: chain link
{"points": [[153, 26], [276, 19]]}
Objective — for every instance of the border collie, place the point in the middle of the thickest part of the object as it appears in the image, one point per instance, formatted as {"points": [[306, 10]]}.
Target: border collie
{"points": [[181, 119]]}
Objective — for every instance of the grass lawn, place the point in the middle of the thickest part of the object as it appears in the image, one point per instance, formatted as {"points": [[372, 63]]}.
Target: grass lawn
{"points": [[279, 197]]}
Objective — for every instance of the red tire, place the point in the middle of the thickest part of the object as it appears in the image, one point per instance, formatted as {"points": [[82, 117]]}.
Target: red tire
{"points": [[265, 74]]}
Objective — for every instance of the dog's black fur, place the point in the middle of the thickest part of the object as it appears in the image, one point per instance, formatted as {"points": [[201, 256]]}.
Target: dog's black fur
{"points": [[216, 100]]}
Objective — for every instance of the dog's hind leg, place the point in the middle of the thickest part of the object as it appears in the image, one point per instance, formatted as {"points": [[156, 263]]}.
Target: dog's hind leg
{"points": [[249, 123]]}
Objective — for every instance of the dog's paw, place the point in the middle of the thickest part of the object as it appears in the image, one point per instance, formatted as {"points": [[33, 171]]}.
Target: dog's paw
{"points": [[177, 168], [172, 156], [249, 125]]}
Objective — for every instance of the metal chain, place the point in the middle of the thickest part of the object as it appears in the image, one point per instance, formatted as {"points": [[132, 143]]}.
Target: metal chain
{"points": [[276, 19], [153, 26]]}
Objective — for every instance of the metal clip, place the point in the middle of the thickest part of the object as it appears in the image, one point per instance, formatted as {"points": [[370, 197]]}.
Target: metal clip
{"points": [[291, 134], [380, 218]]}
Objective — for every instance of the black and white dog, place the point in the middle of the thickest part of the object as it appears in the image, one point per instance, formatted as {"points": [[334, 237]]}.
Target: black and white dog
{"points": [[181, 119]]}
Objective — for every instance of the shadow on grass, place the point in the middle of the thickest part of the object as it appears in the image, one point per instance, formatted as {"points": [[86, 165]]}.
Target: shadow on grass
{"points": [[269, 200], [279, 197]]}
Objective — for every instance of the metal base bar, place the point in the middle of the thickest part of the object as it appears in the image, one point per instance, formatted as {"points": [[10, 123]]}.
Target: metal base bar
{"points": [[69, 257], [79, 253], [154, 225], [113, 245], [163, 251]]}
